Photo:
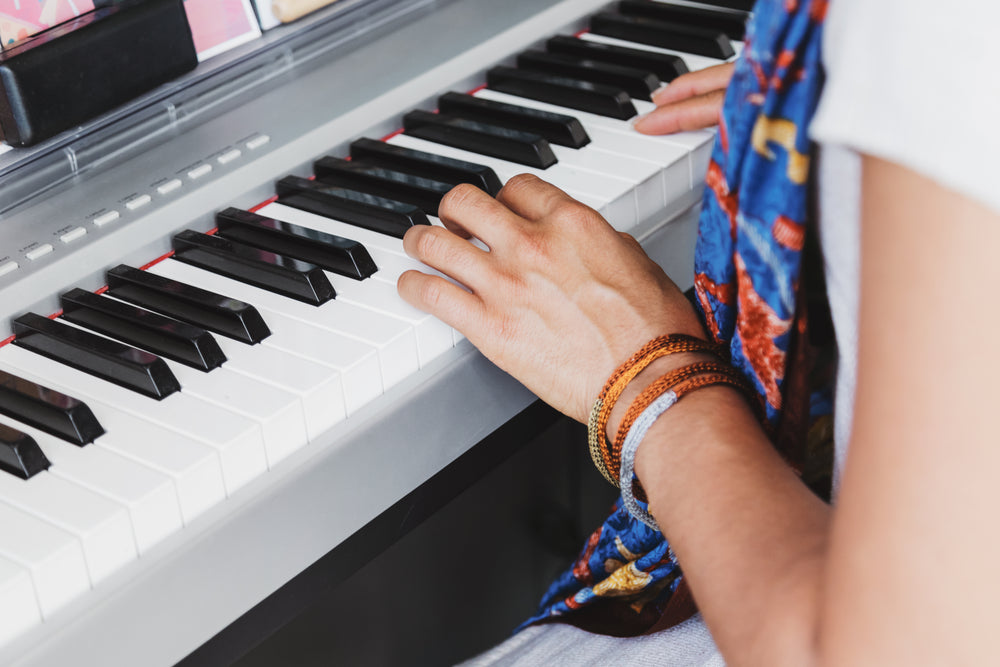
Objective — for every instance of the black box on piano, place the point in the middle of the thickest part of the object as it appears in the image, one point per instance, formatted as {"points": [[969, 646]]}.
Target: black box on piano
{"points": [[80, 69]]}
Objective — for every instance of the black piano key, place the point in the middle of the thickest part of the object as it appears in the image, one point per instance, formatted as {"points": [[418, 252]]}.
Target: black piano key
{"points": [[638, 83], [742, 5], [734, 25], [667, 35], [101, 357], [667, 66], [151, 331], [276, 273], [420, 191], [215, 312], [500, 142], [20, 455], [557, 128], [595, 98], [379, 214], [48, 410], [438, 167], [334, 253]]}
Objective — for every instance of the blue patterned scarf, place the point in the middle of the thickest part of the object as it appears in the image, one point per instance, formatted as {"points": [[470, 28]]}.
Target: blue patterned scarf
{"points": [[748, 271]]}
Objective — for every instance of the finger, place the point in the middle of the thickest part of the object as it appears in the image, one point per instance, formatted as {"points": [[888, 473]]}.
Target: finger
{"points": [[691, 114], [530, 197], [444, 300], [468, 211], [694, 84], [453, 256]]}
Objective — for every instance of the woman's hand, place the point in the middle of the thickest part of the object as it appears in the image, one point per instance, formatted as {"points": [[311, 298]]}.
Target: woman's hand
{"points": [[559, 300], [691, 102]]}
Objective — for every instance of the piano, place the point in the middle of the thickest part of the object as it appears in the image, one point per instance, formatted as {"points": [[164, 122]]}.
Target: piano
{"points": [[171, 507]]}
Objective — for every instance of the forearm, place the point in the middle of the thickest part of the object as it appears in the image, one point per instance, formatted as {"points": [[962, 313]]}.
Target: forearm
{"points": [[749, 535]]}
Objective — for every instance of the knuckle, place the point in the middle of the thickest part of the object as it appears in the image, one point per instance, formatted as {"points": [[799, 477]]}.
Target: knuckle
{"points": [[454, 199]]}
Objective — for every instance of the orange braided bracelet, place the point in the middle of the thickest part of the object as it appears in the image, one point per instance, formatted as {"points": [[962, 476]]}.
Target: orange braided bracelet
{"points": [[613, 388]]}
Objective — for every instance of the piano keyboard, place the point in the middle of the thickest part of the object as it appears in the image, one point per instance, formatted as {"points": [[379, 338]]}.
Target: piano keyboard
{"points": [[165, 410]]}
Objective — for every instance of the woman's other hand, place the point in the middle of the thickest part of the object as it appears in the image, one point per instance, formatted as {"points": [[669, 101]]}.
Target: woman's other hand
{"points": [[690, 102], [559, 300]]}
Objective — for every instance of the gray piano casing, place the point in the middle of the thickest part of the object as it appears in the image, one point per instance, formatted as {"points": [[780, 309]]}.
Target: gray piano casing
{"points": [[188, 588]]}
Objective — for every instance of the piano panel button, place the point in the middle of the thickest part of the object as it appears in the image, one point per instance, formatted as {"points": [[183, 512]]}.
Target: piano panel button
{"points": [[39, 251], [53, 556], [734, 25], [699, 41], [428, 164], [420, 191], [8, 267], [106, 218], [47, 409], [556, 128], [257, 142], [214, 312], [137, 202], [121, 364], [169, 186], [103, 526], [693, 61], [20, 455], [639, 84], [610, 196], [145, 329], [672, 153], [18, 606], [318, 389], [595, 98], [282, 275], [201, 170], [237, 440], [278, 413], [194, 467], [229, 156], [666, 66], [74, 234], [433, 336], [148, 495], [396, 342], [524, 148], [379, 214], [334, 253]]}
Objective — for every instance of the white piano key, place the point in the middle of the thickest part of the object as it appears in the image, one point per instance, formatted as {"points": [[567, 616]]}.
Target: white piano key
{"points": [[613, 198], [18, 605], [278, 413], [318, 388], [395, 341], [195, 467], [618, 137], [237, 440], [433, 336], [53, 556], [149, 496], [103, 526]]}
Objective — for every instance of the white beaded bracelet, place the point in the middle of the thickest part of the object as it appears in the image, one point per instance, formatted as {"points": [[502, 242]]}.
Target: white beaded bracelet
{"points": [[629, 448]]}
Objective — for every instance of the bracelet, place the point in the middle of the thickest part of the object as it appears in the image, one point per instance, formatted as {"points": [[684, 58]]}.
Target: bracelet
{"points": [[631, 493], [610, 451], [724, 375], [612, 390]]}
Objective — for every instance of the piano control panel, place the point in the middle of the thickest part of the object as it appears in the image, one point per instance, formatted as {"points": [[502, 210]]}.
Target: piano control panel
{"points": [[211, 361]]}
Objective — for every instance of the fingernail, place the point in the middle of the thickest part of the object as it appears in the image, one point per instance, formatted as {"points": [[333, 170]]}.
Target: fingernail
{"points": [[638, 120]]}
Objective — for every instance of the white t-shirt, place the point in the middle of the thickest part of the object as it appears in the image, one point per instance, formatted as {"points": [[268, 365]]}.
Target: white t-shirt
{"points": [[913, 82]]}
